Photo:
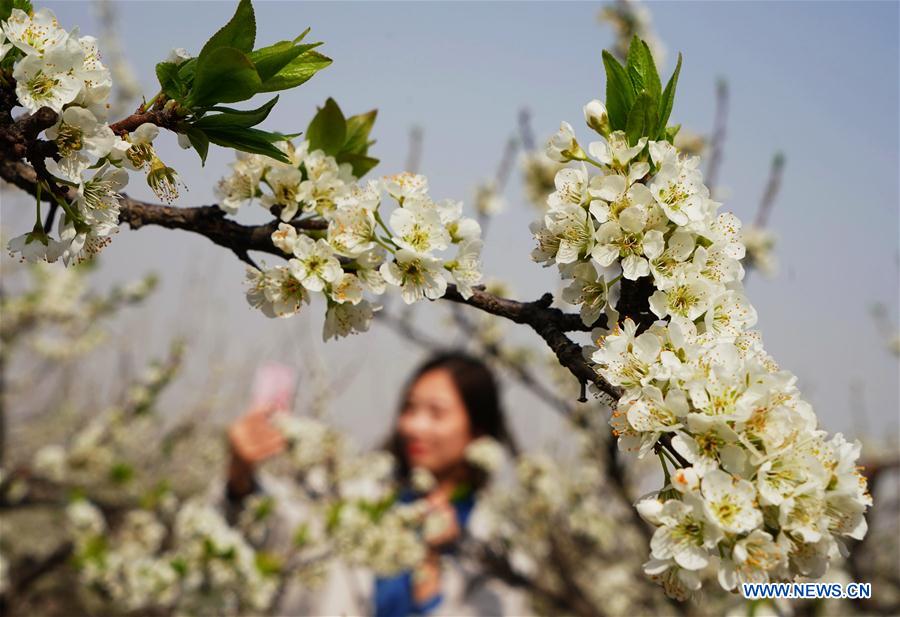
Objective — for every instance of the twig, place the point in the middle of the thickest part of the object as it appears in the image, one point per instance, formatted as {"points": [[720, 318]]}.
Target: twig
{"points": [[414, 157], [31, 571], [718, 136], [526, 134], [776, 172]]}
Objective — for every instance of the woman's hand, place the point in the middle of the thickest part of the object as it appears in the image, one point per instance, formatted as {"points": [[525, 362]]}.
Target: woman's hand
{"points": [[252, 440]]}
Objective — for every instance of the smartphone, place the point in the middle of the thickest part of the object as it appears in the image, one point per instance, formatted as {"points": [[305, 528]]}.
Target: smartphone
{"points": [[274, 385]]}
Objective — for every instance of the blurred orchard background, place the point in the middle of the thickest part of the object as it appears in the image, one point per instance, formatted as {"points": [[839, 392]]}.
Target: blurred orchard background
{"points": [[793, 106]]}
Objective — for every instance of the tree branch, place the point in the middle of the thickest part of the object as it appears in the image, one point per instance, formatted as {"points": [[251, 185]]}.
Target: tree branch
{"points": [[549, 323], [718, 136], [768, 199], [163, 118]]}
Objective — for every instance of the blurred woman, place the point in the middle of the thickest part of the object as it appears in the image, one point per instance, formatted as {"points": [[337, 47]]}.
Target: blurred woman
{"points": [[449, 401]]}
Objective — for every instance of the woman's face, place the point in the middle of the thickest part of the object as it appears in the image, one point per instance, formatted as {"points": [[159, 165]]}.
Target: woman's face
{"points": [[434, 425]]}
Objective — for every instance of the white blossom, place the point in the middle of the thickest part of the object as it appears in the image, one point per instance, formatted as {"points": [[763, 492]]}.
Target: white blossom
{"points": [[417, 226], [485, 453], [78, 130], [35, 34], [563, 146], [48, 81], [466, 267], [314, 263], [418, 276]]}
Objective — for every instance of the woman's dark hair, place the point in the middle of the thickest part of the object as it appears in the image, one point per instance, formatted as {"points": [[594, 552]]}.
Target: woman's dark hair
{"points": [[478, 389]]}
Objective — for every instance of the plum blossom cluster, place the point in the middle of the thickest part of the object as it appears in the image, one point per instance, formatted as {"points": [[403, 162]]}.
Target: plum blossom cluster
{"points": [[758, 491], [361, 250], [186, 559], [57, 315], [351, 500], [60, 70], [137, 544], [486, 453], [766, 495]]}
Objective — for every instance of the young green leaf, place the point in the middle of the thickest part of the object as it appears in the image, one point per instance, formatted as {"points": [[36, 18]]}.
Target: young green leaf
{"points": [[224, 75], [619, 92], [270, 60], [358, 129], [361, 163], [328, 129], [651, 74], [641, 69], [668, 99], [296, 72], [170, 81], [239, 32], [7, 6], [634, 63], [200, 142], [236, 118], [248, 140], [671, 132], [186, 72], [642, 118]]}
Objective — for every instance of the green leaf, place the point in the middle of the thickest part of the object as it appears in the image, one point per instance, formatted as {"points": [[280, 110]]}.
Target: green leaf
{"points": [[361, 163], [641, 69], [7, 6], [333, 516], [328, 129], [187, 69], [239, 32], [668, 99], [642, 118], [651, 75], [301, 535], [634, 63], [296, 72], [235, 117], [272, 59], [254, 141], [671, 132], [268, 564], [170, 81], [121, 473], [619, 92], [179, 565], [358, 129], [225, 75], [200, 142]]}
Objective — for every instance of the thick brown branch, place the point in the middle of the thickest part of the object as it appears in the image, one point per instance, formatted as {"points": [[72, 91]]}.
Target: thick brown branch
{"points": [[209, 221], [550, 323], [163, 118]]}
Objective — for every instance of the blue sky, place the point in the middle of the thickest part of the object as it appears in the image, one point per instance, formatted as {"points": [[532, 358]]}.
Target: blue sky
{"points": [[815, 80]]}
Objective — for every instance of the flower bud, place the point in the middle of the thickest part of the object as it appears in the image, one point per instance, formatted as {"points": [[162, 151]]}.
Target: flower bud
{"points": [[685, 480], [563, 146], [596, 117]]}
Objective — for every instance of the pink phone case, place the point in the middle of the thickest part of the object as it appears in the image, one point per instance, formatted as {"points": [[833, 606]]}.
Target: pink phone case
{"points": [[273, 386]]}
